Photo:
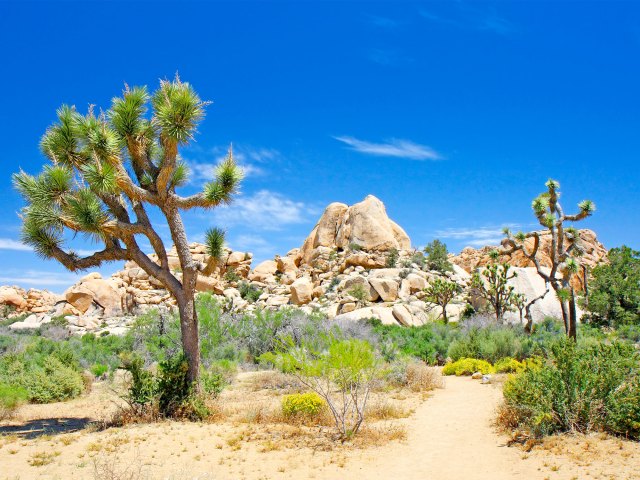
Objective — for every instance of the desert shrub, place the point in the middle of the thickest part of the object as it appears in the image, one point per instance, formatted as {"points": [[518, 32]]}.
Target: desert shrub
{"points": [[350, 366], [355, 247], [232, 276], [99, 370], [335, 281], [46, 378], [7, 343], [165, 393], [623, 409], [508, 365], [392, 258], [624, 332], [307, 404], [11, 397], [249, 292], [422, 378], [437, 257], [491, 344], [418, 259], [359, 293], [428, 342], [467, 366], [578, 388], [614, 297]]}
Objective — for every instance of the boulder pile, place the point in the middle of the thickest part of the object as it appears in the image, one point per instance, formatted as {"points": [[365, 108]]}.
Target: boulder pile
{"points": [[356, 263]]}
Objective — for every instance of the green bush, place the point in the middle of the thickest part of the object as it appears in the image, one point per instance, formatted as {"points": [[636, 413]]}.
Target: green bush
{"points": [[578, 388], [341, 371], [303, 404], [99, 370], [428, 342], [392, 258], [11, 397], [52, 381], [508, 365], [467, 366], [491, 344], [167, 393], [249, 292]]}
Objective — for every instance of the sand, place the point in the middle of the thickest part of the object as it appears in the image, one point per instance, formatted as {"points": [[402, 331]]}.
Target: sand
{"points": [[449, 436]]}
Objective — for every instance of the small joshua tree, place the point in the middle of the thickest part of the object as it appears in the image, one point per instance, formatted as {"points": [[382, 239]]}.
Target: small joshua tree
{"points": [[106, 171], [493, 286], [564, 252], [520, 303], [441, 292]]}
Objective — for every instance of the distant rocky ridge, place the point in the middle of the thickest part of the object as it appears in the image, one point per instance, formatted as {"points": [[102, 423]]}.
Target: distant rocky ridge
{"points": [[349, 247]]}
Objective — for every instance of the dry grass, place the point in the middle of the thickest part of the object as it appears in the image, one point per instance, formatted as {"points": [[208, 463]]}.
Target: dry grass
{"points": [[374, 436], [40, 459], [422, 378], [383, 409], [112, 467], [274, 380]]}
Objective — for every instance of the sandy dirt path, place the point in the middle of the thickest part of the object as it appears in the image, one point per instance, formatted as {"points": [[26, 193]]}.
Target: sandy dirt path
{"points": [[451, 437]]}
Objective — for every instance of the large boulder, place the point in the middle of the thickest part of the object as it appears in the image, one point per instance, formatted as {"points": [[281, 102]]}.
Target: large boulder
{"points": [[301, 291], [93, 289], [12, 297], [384, 314], [387, 288], [365, 224]]}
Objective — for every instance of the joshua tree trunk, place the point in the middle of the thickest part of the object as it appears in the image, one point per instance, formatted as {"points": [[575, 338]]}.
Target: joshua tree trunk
{"points": [[573, 316], [190, 338], [444, 315]]}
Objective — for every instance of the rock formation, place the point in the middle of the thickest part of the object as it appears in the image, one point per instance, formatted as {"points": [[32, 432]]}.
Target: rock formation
{"points": [[355, 264], [471, 259]]}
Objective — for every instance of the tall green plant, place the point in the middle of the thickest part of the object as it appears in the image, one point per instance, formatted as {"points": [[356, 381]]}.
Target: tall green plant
{"points": [[350, 366], [106, 171], [564, 252]]}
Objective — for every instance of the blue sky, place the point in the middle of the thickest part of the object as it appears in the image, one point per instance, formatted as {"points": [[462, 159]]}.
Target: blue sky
{"points": [[453, 113]]}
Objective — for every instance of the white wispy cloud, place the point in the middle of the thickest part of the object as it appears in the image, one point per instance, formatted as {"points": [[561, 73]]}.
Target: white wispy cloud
{"points": [[265, 210], [468, 17], [391, 148], [475, 237], [10, 244], [37, 278]]}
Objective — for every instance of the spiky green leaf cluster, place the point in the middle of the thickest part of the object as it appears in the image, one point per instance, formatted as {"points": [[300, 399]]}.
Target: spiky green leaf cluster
{"points": [[521, 236], [127, 112], [177, 110], [225, 185], [59, 142], [540, 204], [552, 184], [180, 175], [571, 266], [101, 176], [214, 240], [587, 206]]}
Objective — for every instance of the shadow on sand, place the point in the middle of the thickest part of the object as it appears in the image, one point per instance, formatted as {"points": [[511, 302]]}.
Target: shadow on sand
{"points": [[46, 426]]}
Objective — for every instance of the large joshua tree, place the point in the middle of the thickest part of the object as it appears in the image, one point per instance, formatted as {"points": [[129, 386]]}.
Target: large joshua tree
{"points": [[564, 252], [106, 171]]}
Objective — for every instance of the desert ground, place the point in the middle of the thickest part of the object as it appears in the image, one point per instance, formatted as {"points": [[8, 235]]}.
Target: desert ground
{"points": [[444, 434]]}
